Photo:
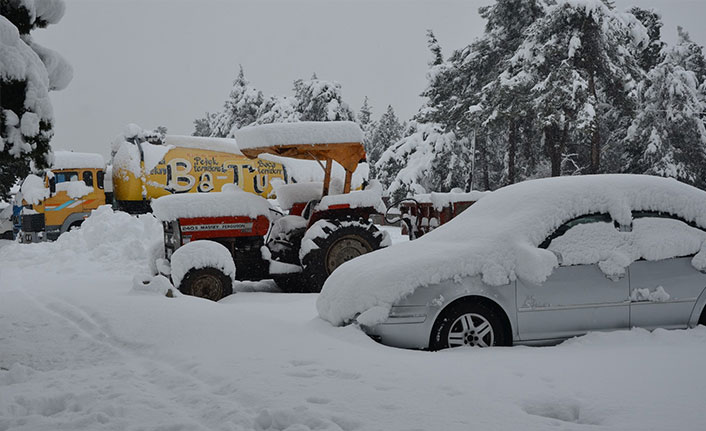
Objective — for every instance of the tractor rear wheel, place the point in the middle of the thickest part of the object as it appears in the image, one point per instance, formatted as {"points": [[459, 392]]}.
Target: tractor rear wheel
{"points": [[330, 243]]}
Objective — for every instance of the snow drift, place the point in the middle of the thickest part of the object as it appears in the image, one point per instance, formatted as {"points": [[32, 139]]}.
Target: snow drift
{"points": [[108, 239]]}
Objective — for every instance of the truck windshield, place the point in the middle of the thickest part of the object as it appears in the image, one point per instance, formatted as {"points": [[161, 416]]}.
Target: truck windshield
{"points": [[62, 177]]}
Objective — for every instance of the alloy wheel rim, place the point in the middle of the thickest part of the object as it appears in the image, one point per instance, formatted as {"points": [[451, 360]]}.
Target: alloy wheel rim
{"points": [[471, 329]]}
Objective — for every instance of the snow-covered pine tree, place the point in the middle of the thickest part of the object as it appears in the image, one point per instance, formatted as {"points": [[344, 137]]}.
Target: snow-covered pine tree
{"points": [[364, 117], [578, 59], [387, 132], [276, 109], [239, 110], [320, 100], [28, 71], [430, 157], [668, 136], [503, 114], [468, 99], [202, 126], [650, 55], [367, 125]]}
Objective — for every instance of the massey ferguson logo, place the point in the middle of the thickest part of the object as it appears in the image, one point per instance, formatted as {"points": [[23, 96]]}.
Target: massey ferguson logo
{"points": [[243, 227]]}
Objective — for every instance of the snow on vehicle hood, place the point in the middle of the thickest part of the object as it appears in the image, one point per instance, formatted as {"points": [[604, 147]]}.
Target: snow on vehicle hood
{"points": [[231, 201], [497, 238]]}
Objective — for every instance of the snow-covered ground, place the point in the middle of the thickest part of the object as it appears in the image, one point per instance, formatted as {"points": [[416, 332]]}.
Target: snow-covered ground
{"points": [[80, 349]]}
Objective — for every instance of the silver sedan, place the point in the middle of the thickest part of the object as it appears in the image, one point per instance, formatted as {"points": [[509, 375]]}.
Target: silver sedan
{"points": [[645, 268]]}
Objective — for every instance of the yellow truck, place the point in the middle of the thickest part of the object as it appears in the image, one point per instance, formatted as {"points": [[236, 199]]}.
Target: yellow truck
{"points": [[143, 171], [64, 197]]}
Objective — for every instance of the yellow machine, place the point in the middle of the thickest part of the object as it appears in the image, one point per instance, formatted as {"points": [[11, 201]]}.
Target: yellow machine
{"points": [[73, 187], [186, 164]]}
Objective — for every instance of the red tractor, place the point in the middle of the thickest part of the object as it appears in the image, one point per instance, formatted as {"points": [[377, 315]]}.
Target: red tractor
{"points": [[213, 239], [423, 213]]}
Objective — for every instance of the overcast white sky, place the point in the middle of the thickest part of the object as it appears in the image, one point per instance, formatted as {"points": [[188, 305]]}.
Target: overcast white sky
{"points": [[166, 62]]}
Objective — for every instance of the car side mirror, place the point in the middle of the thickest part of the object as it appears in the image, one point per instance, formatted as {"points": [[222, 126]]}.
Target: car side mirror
{"points": [[52, 186]]}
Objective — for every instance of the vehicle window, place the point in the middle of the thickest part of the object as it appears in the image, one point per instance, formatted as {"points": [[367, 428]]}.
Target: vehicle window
{"points": [[100, 177], [588, 241], [589, 218], [658, 236], [65, 176], [88, 178]]}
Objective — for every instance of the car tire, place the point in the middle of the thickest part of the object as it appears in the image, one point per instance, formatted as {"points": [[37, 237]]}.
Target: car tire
{"points": [[702, 319], [468, 324], [342, 241], [207, 283]]}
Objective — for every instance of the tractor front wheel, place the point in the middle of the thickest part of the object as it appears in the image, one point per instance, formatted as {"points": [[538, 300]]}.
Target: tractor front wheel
{"points": [[208, 283]]}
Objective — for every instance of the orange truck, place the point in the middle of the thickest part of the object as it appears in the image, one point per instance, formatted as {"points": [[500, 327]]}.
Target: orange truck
{"points": [[64, 197]]}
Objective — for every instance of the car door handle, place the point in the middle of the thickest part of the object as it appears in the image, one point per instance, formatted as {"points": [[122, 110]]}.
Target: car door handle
{"points": [[615, 277]]}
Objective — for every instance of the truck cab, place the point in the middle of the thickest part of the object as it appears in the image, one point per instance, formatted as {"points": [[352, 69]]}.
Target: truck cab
{"points": [[64, 197]]}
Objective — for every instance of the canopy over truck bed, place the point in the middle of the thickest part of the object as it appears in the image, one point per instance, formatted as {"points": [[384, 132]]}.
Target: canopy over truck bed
{"points": [[328, 141]]}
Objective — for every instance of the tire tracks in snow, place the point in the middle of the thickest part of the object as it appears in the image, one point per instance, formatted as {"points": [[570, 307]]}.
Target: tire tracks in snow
{"points": [[189, 402]]}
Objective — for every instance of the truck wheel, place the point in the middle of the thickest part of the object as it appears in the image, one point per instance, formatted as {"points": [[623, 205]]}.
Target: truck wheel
{"points": [[208, 283], [330, 243]]}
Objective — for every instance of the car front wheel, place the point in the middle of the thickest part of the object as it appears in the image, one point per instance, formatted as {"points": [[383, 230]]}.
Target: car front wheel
{"points": [[468, 324]]}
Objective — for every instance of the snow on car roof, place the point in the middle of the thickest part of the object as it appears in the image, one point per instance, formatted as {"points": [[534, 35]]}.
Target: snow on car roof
{"points": [[232, 201], [74, 160], [223, 145], [497, 239], [301, 133]]}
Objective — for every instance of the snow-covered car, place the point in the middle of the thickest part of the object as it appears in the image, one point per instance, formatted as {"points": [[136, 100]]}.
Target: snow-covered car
{"points": [[535, 263]]}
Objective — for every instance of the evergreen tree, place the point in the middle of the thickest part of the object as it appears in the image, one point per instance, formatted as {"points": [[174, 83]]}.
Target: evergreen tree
{"points": [[28, 72], [239, 110], [320, 100], [277, 109], [202, 126], [387, 132], [668, 136], [578, 62], [650, 56], [430, 157], [364, 117], [468, 98], [367, 125]]}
